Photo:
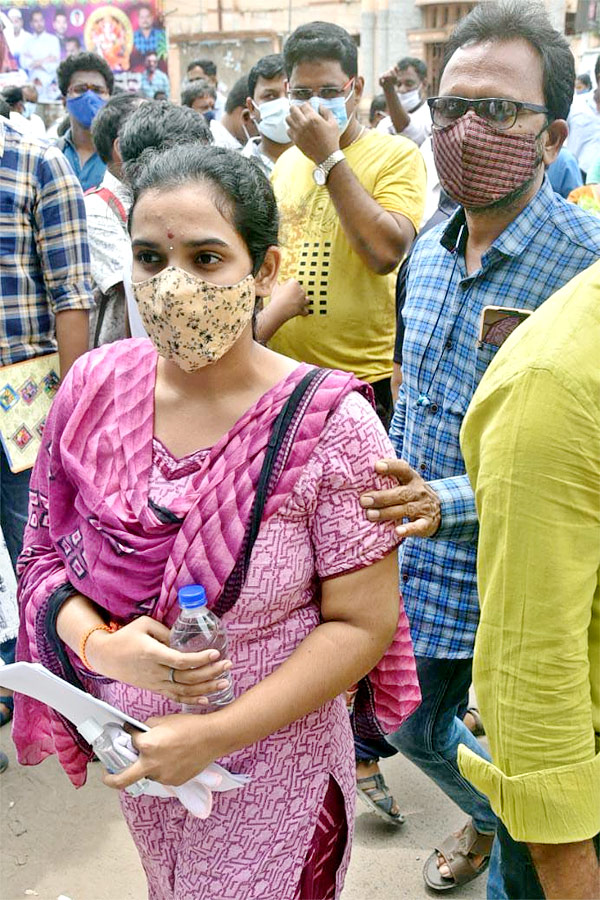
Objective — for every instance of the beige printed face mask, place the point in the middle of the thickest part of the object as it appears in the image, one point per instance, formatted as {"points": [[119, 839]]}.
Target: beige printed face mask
{"points": [[189, 321]]}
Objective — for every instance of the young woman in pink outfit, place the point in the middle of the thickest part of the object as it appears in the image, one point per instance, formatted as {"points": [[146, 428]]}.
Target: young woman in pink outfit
{"points": [[160, 457]]}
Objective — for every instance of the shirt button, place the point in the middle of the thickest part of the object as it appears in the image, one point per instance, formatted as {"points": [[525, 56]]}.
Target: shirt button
{"points": [[433, 408], [423, 467], [449, 345], [405, 578]]}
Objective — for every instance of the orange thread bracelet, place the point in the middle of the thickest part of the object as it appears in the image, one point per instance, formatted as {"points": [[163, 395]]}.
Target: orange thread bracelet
{"points": [[110, 628]]}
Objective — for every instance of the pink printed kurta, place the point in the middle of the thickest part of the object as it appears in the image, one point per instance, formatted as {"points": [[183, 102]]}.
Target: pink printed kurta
{"points": [[254, 845], [93, 528]]}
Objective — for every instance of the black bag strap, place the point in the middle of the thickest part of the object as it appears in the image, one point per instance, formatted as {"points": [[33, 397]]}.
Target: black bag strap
{"points": [[269, 475]]}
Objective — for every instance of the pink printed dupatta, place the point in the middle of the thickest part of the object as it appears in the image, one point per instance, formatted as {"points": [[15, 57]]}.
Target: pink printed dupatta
{"points": [[92, 530]]}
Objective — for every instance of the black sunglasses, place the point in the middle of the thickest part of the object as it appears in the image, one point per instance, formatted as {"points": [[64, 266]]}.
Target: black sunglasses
{"points": [[500, 113]]}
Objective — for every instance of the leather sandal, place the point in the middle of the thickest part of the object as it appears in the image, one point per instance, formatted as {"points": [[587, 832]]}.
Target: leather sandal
{"points": [[375, 793], [478, 729], [458, 852]]}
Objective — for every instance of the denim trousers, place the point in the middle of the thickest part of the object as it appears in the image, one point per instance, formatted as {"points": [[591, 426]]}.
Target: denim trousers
{"points": [[14, 501], [430, 737]]}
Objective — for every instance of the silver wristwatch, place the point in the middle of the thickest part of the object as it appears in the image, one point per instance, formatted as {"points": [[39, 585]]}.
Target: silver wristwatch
{"points": [[321, 173]]}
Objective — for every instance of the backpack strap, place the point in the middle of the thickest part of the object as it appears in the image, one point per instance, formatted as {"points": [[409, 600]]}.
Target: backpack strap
{"points": [[278, 450]]}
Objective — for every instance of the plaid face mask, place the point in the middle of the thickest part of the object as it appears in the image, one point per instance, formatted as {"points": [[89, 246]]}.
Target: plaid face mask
{"points": [[479, 165]]}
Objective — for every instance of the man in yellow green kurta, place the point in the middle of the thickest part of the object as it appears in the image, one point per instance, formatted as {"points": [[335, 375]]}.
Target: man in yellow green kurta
{"points": [[531, 442]]}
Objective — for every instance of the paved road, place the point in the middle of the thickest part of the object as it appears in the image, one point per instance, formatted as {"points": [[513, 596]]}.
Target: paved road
{"points": [[57, 841]]}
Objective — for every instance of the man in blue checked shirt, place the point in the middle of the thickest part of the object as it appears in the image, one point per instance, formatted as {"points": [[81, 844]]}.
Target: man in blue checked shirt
{"points": [[45, 290], [498, 123]]}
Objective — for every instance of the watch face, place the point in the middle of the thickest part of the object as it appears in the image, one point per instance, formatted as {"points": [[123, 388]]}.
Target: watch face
{"points": [[319, 176]]}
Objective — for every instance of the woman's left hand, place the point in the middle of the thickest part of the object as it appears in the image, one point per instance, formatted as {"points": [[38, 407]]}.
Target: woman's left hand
{"points": [[175, 749]]}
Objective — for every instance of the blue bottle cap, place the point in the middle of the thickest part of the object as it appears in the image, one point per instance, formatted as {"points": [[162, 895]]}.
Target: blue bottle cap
{"points": [[191, 596]]}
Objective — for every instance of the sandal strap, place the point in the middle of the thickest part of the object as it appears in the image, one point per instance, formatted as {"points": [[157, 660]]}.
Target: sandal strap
{"points": [[377, 790], [459, 849]]}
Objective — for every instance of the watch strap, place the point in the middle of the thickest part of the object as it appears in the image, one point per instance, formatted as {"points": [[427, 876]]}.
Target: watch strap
{"points": [[327, 165]]}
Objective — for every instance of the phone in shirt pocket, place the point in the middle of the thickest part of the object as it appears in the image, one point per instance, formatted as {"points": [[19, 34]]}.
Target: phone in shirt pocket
{"points": [[498, 322]]}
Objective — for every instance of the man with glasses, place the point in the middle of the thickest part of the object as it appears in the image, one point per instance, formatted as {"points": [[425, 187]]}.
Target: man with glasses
{"points": [[86, 82], [351, 201], [499, 121]]}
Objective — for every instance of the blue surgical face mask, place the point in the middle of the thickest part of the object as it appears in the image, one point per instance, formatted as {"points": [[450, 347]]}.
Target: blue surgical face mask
{"points": [[30, 108], [209, 115], [85, 107], [337, 106]]}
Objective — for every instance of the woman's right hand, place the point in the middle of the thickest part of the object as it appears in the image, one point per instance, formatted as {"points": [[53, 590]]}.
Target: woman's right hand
{"points": [[139, 654]]}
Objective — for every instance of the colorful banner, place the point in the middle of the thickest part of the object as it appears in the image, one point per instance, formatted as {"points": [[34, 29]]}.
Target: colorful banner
{"points": [[35, 37]]}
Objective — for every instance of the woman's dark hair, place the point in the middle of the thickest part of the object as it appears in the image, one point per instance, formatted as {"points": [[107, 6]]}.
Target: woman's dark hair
{"points": [[107, 124], [417, 64], [268, 67], [511, 20], [243, 194], [378, 104], [159, 125], [321, 40], [83, 62], [195, 89]]}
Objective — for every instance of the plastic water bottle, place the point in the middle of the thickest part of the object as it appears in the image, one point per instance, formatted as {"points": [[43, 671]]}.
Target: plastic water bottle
{"points": [[103, 743], [198, 629]]}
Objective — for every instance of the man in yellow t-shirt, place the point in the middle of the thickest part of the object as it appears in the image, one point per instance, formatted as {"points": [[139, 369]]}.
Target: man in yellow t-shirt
{"points": [[351, 201]]}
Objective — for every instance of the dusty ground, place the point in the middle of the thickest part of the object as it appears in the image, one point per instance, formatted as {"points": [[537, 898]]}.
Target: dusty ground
{"points": [[57, 841]]}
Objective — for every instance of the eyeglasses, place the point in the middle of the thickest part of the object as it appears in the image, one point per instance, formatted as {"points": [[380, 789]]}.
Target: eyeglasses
{"points": [[78, 89], [329, 92], [502, 114]]}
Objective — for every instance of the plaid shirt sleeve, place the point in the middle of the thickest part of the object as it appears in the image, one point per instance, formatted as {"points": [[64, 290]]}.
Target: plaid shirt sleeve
{"points": [[398, 420], [61, 234], [459, 515]]}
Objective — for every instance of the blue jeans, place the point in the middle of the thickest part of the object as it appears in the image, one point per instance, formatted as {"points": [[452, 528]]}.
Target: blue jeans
{"points": [[14, 502], [430, 737]]}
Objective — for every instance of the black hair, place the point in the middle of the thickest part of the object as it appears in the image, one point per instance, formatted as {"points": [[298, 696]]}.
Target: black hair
{"points": [[511, 20], [207, 66], [35, 11], [237, 95], [597, 70], [378, 104], [159, 125], [4, 108], [195, 89], [321, 40], [584, 78], [268, 67], [59, 12], [83, 62], [73, 37], [12, 95], [249, 202], [160, 95], [417, 64], [107, 124]]}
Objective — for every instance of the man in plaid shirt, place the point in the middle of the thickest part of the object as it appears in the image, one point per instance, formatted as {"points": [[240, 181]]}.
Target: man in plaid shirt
{"points": [[512, 243], [45, 290]]}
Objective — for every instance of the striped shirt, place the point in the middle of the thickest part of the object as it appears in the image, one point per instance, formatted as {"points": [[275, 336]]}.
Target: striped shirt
{"points": [[548, 243], [43, 245]]}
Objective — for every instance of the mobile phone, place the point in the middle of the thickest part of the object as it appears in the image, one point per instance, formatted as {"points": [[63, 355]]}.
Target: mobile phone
{"points": [[498, 322]]}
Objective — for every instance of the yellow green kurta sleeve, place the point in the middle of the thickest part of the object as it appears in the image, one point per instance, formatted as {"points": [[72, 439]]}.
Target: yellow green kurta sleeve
{"points": [[531, 442]]}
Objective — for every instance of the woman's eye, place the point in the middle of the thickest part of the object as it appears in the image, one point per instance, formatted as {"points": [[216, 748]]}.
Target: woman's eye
{"points": [[147, 257], [208, 259]]}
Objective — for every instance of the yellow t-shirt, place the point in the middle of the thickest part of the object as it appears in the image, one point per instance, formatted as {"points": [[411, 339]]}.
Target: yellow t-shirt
{"points": [[352, 319]]}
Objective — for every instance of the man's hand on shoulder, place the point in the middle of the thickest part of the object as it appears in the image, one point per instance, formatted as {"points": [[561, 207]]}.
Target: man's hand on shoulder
{"points": [[316, 134], [414, 499]]}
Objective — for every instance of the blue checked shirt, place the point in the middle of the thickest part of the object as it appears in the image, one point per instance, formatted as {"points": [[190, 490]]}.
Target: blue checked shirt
{"points": [[45, 261], [549, 243]]}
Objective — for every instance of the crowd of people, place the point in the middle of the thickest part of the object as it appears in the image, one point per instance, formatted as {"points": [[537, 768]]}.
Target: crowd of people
{"points": [[345, 376]]}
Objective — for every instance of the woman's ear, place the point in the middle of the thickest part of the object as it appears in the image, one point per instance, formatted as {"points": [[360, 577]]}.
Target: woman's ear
{"points": [[556, 135], [266, 277]]}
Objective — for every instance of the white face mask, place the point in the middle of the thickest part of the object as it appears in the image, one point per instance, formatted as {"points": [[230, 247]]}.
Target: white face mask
{"points": [[272, 123], [410, 100]]}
